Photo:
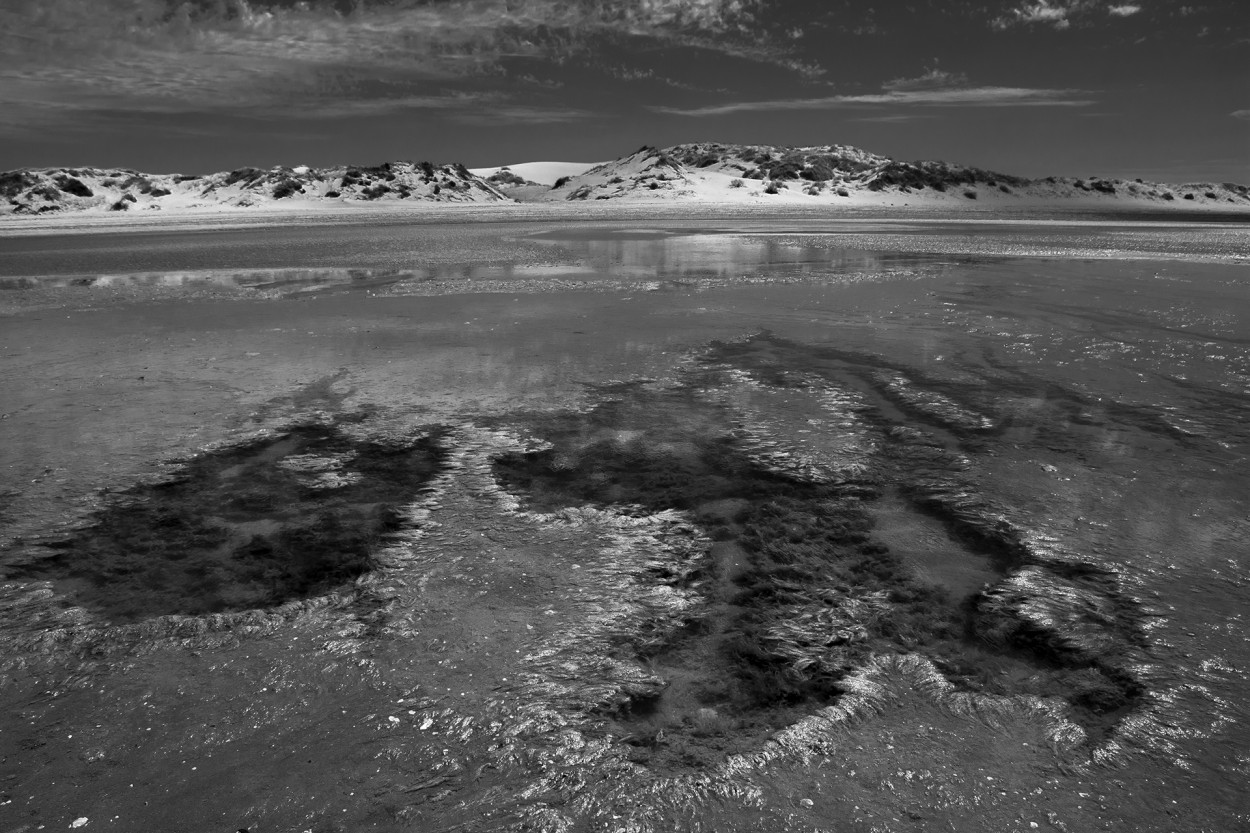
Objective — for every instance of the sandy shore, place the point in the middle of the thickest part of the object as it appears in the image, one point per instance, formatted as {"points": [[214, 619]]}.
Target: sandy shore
{"points": [[475, 678], [866, 207]]}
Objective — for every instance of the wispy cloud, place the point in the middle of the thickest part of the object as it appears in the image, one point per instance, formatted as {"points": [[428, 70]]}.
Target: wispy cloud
{"points": [[1061, 13], [517, 114], [894, 118], [1241, 114], [963, 97], [932, 79], [331, 56], [1039, 12]]}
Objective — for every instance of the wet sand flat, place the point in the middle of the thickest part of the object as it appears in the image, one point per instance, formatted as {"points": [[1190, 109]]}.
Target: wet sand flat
{"points": [[761, 525]]}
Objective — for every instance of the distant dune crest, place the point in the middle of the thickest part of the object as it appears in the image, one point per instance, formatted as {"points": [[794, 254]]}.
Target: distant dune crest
{"points": [[68, 189], [701, 173]]}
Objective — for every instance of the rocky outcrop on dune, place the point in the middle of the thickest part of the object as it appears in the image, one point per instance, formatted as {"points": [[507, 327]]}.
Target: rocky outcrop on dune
{"points": [[712, 172], [116, 189]]}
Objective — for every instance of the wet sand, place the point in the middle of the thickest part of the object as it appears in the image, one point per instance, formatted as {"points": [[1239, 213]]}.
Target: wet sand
{"points": [[485, 672]]}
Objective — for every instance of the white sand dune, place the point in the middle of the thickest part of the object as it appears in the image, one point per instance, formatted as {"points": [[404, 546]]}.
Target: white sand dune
{"points": [[544, 173], [740, 176]]}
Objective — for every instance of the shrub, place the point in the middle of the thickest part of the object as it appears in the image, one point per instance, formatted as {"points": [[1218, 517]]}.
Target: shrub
{"points": [[1004, 189], [285, 189], [654, 185], [770, 188], [818, 171], [332, 194], [13, 182], [1189, 196], [142, 184], [735, 183], [378, 190], [616, 180], [562, 181], [240, 174], [505, 177], [120, 205], [842, 192], [161, 192], [1167, 195], [73, 186], [1210, 195], [972, 195]]}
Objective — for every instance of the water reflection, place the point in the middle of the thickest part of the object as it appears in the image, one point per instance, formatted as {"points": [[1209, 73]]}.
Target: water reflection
{"points": [[719, 255], [615, 257]]}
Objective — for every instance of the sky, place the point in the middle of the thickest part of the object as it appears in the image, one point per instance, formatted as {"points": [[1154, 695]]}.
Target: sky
{"points": [[1115, 88]]}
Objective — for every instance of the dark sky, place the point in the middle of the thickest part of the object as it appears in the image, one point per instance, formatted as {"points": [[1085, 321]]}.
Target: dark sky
{"points": [[1129, 88]]}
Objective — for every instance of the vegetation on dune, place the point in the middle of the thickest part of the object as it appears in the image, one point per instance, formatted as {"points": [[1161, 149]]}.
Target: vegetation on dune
{"points": [[74, 186]]}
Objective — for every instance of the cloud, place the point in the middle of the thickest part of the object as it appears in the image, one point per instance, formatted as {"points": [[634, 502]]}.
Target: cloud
{"points": [[964, 97], [932, 79], [1039, 12], [1061, 13], [1241, 114], [894, 118], [332, 56]]}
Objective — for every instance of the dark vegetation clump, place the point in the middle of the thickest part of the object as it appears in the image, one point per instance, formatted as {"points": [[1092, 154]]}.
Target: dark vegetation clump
{"points": [[247, 176], [809, 554], [375, 191], [141, 184], [1189, 196], [562, 181], [13, 183], [506, 177], [242, 528], [800, 591], [286, 188], [75, 187], [160, 192], [771, 188]]}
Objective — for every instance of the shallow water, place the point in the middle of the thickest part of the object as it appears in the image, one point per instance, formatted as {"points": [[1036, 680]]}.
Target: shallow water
{"points": [[1047, 427]]}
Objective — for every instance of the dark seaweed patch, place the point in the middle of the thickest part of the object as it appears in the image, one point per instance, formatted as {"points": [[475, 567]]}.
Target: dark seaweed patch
{"points": [[800, 592], [252, 526]]}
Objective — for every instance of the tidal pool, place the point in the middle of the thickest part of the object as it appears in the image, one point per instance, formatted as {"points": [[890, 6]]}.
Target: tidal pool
{"points": [[633, 525]]}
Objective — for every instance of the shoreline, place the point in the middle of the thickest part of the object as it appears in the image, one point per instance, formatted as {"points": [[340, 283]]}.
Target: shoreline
{"points": [[1066, 212]]}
